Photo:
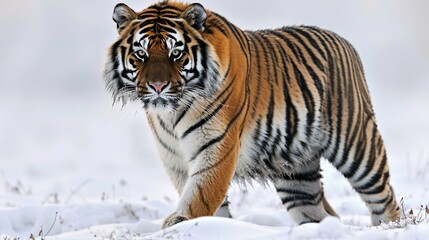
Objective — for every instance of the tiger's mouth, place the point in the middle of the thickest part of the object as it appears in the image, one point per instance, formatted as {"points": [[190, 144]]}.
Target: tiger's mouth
{"points": [[161, 101]]}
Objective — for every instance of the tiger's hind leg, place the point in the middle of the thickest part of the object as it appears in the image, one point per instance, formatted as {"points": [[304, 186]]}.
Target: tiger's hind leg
{"points": [[365, 166], [223, 210], [302, 194], [328, 208]]}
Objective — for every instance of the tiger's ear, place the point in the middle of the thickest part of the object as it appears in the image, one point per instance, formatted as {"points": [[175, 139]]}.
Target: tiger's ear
{"points": [[195, 15], [122, 14]]}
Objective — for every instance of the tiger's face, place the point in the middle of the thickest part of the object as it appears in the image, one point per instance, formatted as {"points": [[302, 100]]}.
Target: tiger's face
{"points": [[161, 57]]}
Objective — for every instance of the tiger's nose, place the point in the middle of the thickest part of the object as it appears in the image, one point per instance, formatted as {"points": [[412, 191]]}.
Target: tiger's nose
{"points": [[158, 86]]}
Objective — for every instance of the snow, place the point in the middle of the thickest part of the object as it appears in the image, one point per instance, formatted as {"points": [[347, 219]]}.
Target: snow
{"points": [[76, 168], [255, 217]]}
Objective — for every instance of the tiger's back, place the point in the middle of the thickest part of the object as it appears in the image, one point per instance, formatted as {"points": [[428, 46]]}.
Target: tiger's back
{"points": [[225, 103]]}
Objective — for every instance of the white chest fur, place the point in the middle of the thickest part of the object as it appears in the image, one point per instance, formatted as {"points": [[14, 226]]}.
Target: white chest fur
{"points": [[178, 147]]}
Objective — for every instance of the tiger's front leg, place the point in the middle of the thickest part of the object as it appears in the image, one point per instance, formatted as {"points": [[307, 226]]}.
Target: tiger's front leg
{"points": [[211, 170]]}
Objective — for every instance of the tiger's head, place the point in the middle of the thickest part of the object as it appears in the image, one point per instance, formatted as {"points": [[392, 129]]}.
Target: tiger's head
{"points": [[161, 57]]}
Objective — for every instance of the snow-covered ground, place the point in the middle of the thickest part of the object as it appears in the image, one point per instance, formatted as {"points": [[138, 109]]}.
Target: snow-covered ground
{"points": [[73, 167]]}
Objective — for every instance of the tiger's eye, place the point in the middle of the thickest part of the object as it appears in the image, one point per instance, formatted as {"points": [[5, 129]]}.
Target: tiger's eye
{"points": [[140, 54], [176, 53]]}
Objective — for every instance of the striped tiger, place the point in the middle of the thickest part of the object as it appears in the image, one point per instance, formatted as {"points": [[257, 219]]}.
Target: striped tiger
{"points": [[226, 104]]}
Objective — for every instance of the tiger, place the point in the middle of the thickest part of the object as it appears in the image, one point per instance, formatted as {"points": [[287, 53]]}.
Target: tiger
{"points": [[227, 105]]}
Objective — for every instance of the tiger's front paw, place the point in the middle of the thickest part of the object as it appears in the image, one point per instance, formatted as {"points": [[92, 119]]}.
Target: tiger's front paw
{"points": [[173, 219]]}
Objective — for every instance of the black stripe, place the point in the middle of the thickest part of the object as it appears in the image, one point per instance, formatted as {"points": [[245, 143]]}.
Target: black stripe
{"points": [[382, 200], [257, 131], [203, 53], [171, 16], [208, 144], [207, 118], [331, 73], [220, 137], [164, 127], [360, 147], [168, 22], [296, 51], [365, 189], [163, 144], [236, 32], [265, 142], [258, 75], [169, 30], [372, 157], [350, 114], [336, 90], [114, 54], [123, 54], [297, 195], [146, 29], [317, 82], [270, 151], [290, 109], [387, 201], [275, 144], [306, 93], [316, 45], [223, 159], [293, 33], [303, 176], [301, 203], [215, 23], [183, 113], [359, 125], [308, 99], [271, 58]]}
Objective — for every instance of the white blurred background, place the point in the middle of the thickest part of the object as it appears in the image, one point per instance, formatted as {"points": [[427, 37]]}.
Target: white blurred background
{"points": [[59, 132]]}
